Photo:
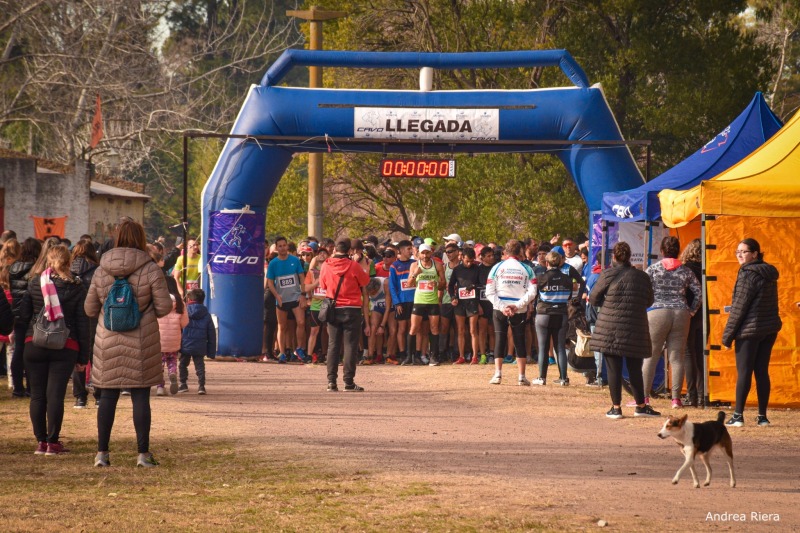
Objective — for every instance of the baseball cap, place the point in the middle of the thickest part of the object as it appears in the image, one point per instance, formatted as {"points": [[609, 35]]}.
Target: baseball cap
{"points": [[416, 241], [470, 243], [478, 248], [305, 250], [453, 237], [429, 241], [313, 245], [558, 249], [389, 253], [425, 248]]}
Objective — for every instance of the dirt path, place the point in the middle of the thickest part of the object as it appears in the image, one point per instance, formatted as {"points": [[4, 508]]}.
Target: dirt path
{"points": [[545, 452]]}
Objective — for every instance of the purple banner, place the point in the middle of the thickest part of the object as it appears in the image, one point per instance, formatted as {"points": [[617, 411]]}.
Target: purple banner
{"points": [[236, 243], [597, 237]]}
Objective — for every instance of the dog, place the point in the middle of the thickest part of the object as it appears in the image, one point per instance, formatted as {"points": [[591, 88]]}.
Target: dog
{"points": [[699, 439]]}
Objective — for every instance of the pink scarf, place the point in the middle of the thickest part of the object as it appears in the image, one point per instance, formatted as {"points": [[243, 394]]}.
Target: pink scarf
{"points": [[51, 304]]}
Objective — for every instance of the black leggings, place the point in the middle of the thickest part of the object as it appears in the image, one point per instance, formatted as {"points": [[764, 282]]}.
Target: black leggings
{"points": [[141, 417], [752, 357], [501, 323], [614, 366], [48, 374]]}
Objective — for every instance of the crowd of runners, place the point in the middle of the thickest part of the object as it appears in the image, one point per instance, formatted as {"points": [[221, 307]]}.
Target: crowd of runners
{"points": [[433, 303]]}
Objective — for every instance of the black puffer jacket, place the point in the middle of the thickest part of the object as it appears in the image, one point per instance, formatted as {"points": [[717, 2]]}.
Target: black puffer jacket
{"points": [[623, 294], [85, 271], [754, 309], [17, 275], [71, 295]]}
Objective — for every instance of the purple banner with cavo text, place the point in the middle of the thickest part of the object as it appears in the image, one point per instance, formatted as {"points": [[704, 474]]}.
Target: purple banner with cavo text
{"points": [[236, 243]]}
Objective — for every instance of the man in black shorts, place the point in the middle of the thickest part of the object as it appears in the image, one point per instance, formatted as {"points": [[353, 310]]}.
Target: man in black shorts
{"points": [[463, 292]]}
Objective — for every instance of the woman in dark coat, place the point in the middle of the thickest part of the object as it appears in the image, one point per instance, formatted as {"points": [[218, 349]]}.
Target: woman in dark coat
{"points": [[18, 279], [623, 294], [49, 369], [84, 263], [754, 324]]}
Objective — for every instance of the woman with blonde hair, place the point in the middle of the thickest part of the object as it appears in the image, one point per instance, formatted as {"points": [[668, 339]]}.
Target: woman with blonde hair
{"points": [[56, 294], [128, 359]]}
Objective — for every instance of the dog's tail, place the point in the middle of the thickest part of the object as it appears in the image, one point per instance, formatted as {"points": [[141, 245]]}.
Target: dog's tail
{"points": [[721, 417]]}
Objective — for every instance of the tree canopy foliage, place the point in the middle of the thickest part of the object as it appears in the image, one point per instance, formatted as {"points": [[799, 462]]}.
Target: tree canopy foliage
{"points": [[675, 72]]}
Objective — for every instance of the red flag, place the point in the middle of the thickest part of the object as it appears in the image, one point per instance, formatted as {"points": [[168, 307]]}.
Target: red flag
{"points": [[97, 125]]}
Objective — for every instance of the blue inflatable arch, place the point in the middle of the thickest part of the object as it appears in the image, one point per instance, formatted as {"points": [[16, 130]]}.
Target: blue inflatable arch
{"points": [[236, 196]]}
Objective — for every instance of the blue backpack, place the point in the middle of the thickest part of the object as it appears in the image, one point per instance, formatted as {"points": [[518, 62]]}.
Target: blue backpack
{"points": [[121, 310]]}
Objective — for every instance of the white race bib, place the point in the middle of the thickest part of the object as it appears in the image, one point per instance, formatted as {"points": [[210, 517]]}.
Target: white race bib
{"points": [[320, 292], [426, 286], [284, 282], [405, 285], [466, 294]]}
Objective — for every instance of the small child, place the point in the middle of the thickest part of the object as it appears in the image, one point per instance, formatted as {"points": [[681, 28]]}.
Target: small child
{"points": [[170, 328], [199, 340]]}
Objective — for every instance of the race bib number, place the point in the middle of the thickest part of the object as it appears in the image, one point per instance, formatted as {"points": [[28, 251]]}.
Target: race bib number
{"points": [[466, 294], [286, 281], [483, 294], [426, 286], [405, 285], [192, 284], [320, 292]]}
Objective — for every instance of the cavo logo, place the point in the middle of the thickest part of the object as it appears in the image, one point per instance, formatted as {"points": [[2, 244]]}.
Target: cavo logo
{"points": [[622, 211], [235, 259]]}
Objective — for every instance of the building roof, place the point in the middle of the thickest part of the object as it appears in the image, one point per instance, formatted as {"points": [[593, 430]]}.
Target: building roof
{"points": [[109, 190]]}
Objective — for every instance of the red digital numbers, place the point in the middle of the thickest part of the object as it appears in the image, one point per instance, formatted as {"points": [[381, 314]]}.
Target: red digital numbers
{"points": [[418, 168]]}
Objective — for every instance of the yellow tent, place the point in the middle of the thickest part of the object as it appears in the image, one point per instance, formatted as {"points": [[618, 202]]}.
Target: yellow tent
{"points": [[760, 198]]}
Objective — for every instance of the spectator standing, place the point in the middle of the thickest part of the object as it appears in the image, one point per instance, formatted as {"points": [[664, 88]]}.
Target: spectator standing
{"points": [[186, 271], [695, 379], [351, 307], [669, 315], [128, 359], [753, 324], [199, 339], [623, 295], [18, 280], [57, 294], [83, 265]]}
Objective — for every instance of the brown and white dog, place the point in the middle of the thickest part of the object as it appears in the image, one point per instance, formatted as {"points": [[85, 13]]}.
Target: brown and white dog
{"points": [[699, 439]]}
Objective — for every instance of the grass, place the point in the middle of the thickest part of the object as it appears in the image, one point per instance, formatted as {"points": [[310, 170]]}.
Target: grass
{"points": [[213, 485]]}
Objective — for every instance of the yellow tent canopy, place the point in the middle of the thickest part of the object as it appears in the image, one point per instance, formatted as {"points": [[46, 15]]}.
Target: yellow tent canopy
{"points": [[765, 183]]}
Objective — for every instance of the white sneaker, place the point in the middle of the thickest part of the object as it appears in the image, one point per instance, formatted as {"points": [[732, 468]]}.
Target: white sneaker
{"points": [[539, 381], [160, 391], [496, 380], [523, 382]]}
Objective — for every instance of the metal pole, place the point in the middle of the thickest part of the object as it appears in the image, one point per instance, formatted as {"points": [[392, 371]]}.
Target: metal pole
{"points": [[315, 17], [704, 293], [185, 221]]}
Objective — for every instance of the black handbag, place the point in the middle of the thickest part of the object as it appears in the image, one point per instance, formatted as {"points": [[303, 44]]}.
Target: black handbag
{"points": [[328, 306], [51, 335]]}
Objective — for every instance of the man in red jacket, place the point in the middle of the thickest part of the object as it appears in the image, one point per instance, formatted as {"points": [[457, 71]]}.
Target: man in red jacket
{"points": [[352, 305]]}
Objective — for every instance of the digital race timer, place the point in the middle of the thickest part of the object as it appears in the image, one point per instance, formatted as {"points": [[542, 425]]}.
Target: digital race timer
{"points": [[418, 168]]}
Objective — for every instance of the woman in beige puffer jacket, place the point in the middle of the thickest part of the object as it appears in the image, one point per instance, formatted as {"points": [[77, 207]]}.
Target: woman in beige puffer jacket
{"points": [[128, 359]]}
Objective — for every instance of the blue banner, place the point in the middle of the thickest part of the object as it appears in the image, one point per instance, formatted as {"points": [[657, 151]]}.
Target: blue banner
{"points": [[236, 243]]}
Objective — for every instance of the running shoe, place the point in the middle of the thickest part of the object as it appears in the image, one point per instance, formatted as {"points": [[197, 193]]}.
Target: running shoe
{"points": [[523, 382], [539, 381], [496, 380], [282, 359], [173, 384], [425, 359], [762, 420], [301, 355], [408, 361], [146, 460], [434, 361], [562, 382], [41, 449], [332, 387], [736, 421], [80, 403], [460, 361], [378, 360], [353, 388], [474, 360], [183, 388], [160, 391], [55, 448], [483, 359], [392, 361], [366, 362], [551, 361], [102, 459], [677, 404], [645, 411], [614, 413], [201, 390], [509, 360], [314, 359]]}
